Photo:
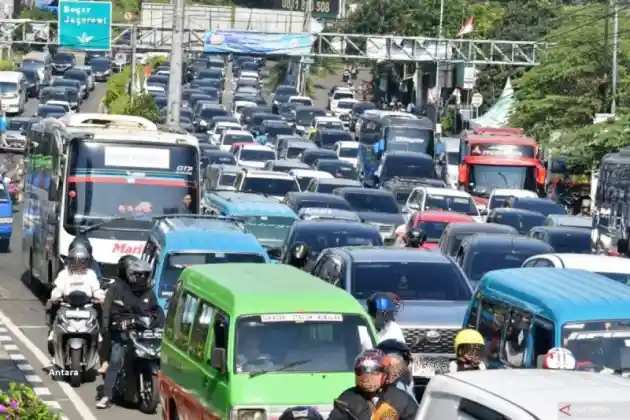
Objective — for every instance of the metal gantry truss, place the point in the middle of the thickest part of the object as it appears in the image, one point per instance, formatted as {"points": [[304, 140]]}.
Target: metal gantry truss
{"points": [[337, 45]]}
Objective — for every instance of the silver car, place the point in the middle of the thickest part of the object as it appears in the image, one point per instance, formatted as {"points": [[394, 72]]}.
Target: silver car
{"points": [[91, 82]]}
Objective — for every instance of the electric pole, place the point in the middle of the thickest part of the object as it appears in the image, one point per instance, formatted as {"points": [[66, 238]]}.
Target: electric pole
{"points": [[307, 28], [613, 102], [606, 58], [177, 65], [438, 87], [134, 46]]}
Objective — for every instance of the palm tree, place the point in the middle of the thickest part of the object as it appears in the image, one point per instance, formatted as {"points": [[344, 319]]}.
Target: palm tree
{"points": [[321, 68]]}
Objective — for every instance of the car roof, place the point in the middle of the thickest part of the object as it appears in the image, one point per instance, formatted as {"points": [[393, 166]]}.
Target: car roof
{"points": [[442, 216], [361, 190], [541, 392], [563, 230], [266, 288], [259, 173], [475, 227], [305, 195], [513, 192], [249, 204], [318, 151], [225, 167], [391, 254], [522, 212], [298, 143], [290, 163], [571, 221], [590, 262], [216, 152], [333, 131], [252, 146], [339, 181], [341, 225], [237, 132], [348, 143], [416, 155], [310, 172], [565, 295], [448, 192], [508, 242], [534, 200]]}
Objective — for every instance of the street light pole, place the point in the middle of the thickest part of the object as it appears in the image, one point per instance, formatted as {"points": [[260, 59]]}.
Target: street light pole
{"points": [[613, 102], [438, 88]]}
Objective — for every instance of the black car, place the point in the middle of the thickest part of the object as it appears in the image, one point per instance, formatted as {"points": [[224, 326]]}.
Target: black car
{"points": [[283, 93], [541, 205], [59, 93], [292, 147], [257, 120], [101, 68], [328, 185], [378, 207], [63, 61], [408, 166], [247, 113], [521, 220], [455, 233], [564, 239], [337, 168], [479, 254], [32, 82], [90, 56], [302, 200], [313, 155], [271, 129], [304, 116], [214, 157], [284, 165], [207, 83], [358, 109], [206, 115], [318, 235], [327, 137], [54, 111]]}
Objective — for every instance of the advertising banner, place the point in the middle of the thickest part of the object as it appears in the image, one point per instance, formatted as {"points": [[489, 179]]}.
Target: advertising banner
{"points": [[245, 42]]}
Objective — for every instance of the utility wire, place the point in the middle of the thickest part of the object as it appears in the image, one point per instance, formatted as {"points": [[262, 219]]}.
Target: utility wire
{"points": [[588, 23]]}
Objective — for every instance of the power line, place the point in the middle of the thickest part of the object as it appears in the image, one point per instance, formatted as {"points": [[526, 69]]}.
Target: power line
{"points": [[588, 23]]}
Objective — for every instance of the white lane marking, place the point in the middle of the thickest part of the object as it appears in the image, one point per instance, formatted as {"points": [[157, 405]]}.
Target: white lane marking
{"points": [[11, 347], [16, 356], [5, 338], [72, 395], [25, 366], [33, 378], [39, 391], [29, 327]]}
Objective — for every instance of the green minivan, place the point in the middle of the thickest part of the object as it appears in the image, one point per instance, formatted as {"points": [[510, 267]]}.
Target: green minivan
{"points": [[247, 341]]}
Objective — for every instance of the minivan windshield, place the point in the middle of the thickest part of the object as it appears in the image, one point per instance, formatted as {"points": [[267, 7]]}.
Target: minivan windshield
{"points": [[299, 342], [599, 345], [8, 87]]}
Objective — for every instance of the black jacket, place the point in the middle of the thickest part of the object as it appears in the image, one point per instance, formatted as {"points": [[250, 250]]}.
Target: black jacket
{"points": [[392, 403], [122, 303]]}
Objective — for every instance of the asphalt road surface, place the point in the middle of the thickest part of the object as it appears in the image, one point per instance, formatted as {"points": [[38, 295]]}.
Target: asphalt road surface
{"points": [[22, 312]]}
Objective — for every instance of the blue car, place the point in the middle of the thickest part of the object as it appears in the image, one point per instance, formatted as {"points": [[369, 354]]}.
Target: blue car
{"points": [[6, 218], [178, 242]]}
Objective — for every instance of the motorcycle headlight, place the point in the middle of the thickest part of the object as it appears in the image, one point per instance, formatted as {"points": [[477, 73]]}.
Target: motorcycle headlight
{"points": [[251, 415]]}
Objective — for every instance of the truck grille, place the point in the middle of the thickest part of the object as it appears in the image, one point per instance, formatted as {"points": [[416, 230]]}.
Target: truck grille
{"points": [[424, 340]]}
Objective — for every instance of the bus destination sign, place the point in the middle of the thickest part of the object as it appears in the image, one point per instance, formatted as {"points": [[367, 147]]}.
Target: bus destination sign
{"points": [[503, 150], [323, 9]]}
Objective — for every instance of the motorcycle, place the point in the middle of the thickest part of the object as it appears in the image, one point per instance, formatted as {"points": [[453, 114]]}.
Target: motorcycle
{"points": [[76, 337], [137, 382]]}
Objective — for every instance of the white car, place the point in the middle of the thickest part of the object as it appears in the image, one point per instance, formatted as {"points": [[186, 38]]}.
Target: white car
{"points": [[270, 183], [342, 107], [337, 94], [616, 268], [229, 137], [347, 151], [239, 106], [91, 82], [301, 100], [327, 122], [220, 127], [499, 195], [304, 176], [431, 198], [155, 88], [254, 156], [64, 104], [249, 75]]}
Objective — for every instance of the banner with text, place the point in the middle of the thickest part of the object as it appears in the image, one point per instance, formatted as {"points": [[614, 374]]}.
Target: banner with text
{"points": [[245, 42]]}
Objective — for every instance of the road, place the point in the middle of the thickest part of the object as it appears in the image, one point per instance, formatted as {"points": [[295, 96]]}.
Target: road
{"points": [[23, 333]]}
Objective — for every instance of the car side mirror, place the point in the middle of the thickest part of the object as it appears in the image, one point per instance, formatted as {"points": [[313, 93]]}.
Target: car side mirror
{"points": [[622, 246], [416, 238], [218, 361], [298, 255], [414, 206]]}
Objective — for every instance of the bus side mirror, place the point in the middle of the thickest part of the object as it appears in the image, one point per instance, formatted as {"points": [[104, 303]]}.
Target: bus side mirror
{"points": [[217, 360], [622, 246]]}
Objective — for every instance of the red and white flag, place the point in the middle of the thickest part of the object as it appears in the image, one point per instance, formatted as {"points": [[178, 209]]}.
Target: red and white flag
{"points": [[468, 27]]}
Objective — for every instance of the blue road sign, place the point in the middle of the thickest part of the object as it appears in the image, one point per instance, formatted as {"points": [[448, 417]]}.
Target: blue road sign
{"points": [[85, 25]]}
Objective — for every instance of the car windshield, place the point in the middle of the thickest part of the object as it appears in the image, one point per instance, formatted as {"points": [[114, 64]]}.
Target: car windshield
{"points": [[439, 281], [176, 263], [484, 261], [573, 243], [306, 116], [8, 87], [225, 159], [338, 169], [327, 188], [345, 104], [227, 179], [230, 139], [302, 101], [30, 76], [66, 82], [117, 180], [62, 58], [257, 155], [408, 167], [157, 80], [299, 342], [33, 64], [546, 207], [325, 237], [343, 95], [521, 222], [100, 64], [497, 201], [211, 112], [599, 345], [433, 230], [464, 205], [349, 152], [269, 186], [257, 119], [286, 91], [269, 230], [278, 130], [46, 110], [330, 125], [485, 178], [329, 139], [372, 202], [78, 75], [324, 204], [17, 125]]}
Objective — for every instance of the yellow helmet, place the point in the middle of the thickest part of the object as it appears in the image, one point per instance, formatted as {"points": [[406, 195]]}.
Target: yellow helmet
{"points": [[468, 336]]}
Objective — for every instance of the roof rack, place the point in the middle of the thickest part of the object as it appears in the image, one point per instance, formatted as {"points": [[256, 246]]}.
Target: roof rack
{"points": [[108, 120], [198, 217]]}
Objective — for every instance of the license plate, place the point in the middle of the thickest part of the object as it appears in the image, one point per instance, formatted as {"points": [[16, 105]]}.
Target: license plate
{"points": [[419, 369], [80, 314]]}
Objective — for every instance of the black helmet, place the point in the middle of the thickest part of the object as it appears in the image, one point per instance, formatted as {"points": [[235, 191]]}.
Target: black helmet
{"points": [[396, 347], [136, 272], [294, 413], [78, 259], [81, 240], [123, 263]]}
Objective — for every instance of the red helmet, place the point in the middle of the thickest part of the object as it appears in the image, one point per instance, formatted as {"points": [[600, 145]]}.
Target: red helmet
{"points": [[370, 361]]}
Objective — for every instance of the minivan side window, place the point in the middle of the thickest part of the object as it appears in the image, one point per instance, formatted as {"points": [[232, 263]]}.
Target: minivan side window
{"points": [[472, 410], [199, 334], [184, 321], [514, 344], [543, 334], [221, 330], [172, 312], [492, 324]]}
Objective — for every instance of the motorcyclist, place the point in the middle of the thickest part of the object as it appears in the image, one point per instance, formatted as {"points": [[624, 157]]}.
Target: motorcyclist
{"points": [[295, 413], [75, 277], [400, 358], [132, 295], [92, 264], [469, 345], [382, 309], [371, 398], [346, 74]]}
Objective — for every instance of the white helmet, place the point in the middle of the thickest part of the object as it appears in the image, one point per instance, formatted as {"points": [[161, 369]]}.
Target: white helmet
{"points": [[559, 358]]}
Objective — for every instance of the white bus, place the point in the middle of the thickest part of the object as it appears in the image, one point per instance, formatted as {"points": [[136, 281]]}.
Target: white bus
{"points": [[103, 176]]}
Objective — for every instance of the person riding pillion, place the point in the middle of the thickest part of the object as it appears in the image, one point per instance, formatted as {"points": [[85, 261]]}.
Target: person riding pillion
{"points": [[469, 346], [131, 296], [382, 308]]}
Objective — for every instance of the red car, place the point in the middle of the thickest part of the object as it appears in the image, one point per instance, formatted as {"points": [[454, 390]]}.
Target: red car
{"points": [[433, 223]]}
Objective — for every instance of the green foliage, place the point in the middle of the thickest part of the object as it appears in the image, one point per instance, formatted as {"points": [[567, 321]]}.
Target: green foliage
{"points": [[321, 68], [22, 403], [141, 106], [37, 14], [7, 65], [117, 86]]}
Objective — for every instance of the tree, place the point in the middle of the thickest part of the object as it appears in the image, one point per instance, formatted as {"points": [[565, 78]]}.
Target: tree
{"points": [[321, 68], [141, 105], [564, 92]]}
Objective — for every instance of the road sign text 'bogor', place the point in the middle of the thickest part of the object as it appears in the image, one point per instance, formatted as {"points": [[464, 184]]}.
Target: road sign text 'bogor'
{"points": [[85, 25]]}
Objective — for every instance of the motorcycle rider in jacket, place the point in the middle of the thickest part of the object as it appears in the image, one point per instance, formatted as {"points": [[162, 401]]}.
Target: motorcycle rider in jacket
{"points": [[130, 296]]}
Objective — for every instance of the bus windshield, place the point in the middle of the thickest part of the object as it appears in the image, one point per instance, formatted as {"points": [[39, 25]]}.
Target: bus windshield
{"points": [[129, 180], [485, 178]]}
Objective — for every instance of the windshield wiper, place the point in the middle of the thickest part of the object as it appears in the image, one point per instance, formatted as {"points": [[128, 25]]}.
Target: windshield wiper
{"points": [[105, 222], [280, 369]]}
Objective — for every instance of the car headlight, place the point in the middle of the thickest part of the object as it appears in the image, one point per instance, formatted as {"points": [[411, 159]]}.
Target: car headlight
{"points": [[251, 415]]}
